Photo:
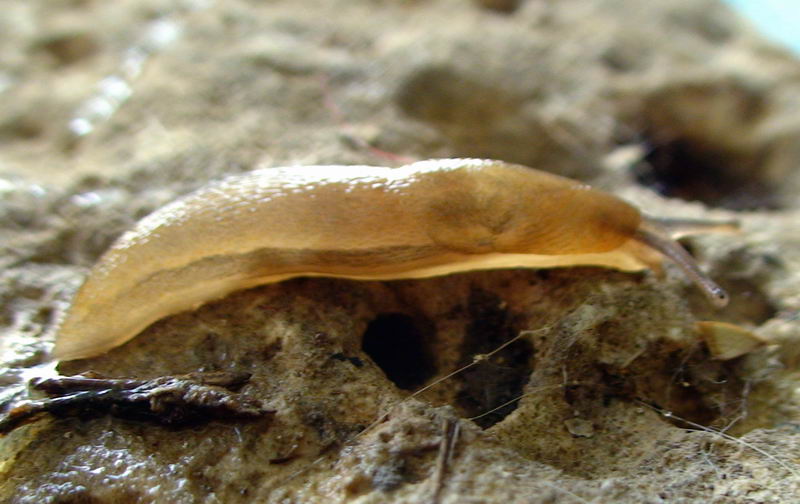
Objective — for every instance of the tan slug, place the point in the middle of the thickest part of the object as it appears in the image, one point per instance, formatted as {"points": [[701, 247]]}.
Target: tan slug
{"points": [[425, 219]]}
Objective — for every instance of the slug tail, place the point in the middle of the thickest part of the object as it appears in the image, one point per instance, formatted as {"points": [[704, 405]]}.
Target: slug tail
{"points": [[652, 234]]}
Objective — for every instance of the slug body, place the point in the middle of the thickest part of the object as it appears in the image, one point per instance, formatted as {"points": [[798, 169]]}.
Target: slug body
{"points": [[425, 219]]}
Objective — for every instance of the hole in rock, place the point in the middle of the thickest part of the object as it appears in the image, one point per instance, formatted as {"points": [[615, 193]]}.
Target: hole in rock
{"points": [[693, 171], [693, 387], [399, 345], [501, 378]]}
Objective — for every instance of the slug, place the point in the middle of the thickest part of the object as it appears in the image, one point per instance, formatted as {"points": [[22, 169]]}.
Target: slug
{"points": [[424, 219]]}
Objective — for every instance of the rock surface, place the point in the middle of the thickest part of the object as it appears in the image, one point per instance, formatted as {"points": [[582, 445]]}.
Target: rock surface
{"points": [[109, 110]]}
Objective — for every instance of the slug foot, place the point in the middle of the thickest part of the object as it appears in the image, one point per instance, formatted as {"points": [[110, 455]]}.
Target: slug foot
{"points": [[174, 401]]}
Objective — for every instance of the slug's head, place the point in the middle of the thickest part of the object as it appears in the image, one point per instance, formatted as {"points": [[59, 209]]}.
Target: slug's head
{"points": [[506, 208], [492, 207], [601, 223]]}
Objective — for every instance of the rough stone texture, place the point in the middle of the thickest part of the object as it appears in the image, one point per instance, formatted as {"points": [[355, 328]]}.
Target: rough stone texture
{"points": [[646, 99]]}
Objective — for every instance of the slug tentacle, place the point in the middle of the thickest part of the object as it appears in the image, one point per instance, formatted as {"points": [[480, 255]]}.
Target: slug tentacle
{"points": [[652, 233], [676, 227]]}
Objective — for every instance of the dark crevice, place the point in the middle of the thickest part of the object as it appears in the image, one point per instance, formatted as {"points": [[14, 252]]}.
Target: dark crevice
{"points": [[689, 170], [400, 346], [690, 389], [499, 379], [701, 390], [681, 380]]}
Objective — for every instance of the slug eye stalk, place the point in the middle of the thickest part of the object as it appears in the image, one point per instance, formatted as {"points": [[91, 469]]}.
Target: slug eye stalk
{"points": [[658, 234]]}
